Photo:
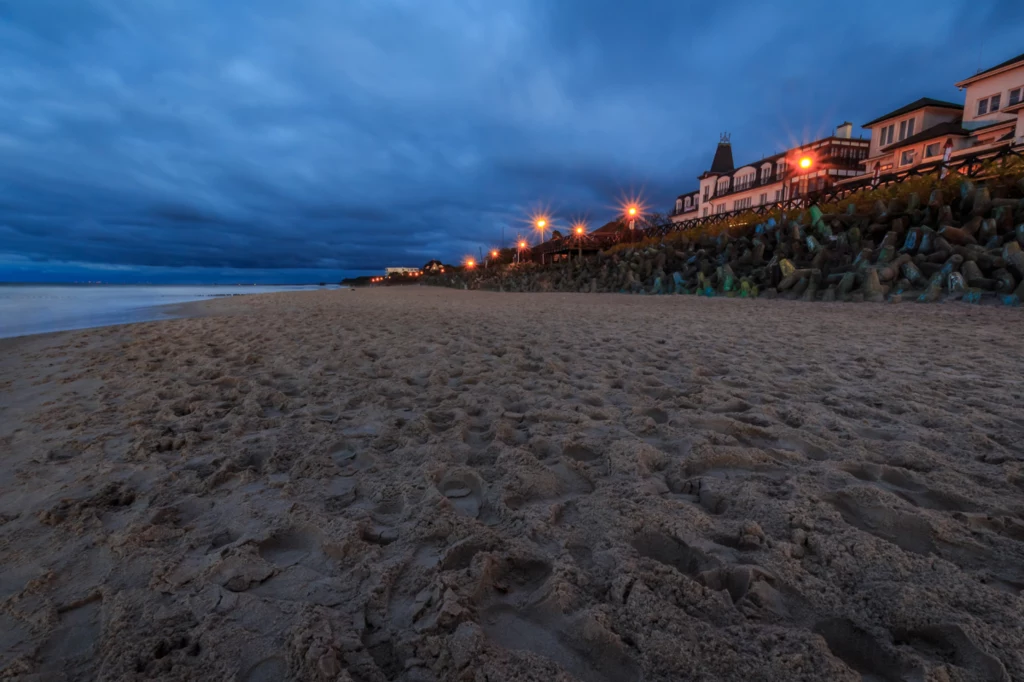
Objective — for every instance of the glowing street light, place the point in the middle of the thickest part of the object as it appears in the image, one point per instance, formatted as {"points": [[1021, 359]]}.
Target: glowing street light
{"points": [[541, 222], [470, 263], [579, 228], [806, 162]]}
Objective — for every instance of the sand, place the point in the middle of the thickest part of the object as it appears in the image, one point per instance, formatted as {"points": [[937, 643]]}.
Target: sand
{"points": [[423, 484]]}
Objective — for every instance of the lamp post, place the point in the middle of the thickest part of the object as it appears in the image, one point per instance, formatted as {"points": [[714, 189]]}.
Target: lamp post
{"points": [[580, 230], [519, 251], [541, 224], [494, 256]]}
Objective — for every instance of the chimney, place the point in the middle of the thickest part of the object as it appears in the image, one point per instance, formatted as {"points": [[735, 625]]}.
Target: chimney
{"points": [[844, 130]]}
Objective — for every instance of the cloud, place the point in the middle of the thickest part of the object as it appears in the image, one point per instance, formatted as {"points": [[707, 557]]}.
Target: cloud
{"points": [[316, 134]]}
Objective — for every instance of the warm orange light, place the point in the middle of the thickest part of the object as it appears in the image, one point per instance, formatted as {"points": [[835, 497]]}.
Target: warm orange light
{"points": [[470, 263], [494, 253], [579, 230], [806, 162], [542, 223], [632, 210], [522, 244]]}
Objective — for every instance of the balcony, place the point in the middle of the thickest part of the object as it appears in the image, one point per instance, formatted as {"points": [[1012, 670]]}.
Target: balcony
{"points": [[744, 186]]}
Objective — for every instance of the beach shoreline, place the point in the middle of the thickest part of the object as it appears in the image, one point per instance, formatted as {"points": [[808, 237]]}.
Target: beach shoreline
{"points": [[417, 483]]}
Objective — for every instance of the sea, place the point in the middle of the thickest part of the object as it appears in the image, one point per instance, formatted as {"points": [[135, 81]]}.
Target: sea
{"points": [[37, 309]]}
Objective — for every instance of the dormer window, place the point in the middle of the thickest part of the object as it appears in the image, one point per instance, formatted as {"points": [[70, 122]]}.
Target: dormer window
{"points": [[679, 204], [687, 202]]}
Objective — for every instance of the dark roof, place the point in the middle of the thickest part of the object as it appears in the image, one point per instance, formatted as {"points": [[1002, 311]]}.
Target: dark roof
{"points": [[1008, 62], [609, 228], [914, 106], [723, 159], [940, 130]]}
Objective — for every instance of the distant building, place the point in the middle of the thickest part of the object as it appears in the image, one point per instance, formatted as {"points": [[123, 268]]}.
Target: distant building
{"points": [[399, 271], [790, 174]]}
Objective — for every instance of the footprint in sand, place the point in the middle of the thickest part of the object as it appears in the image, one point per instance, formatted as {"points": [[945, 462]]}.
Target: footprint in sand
{"points": [[903, 483], [949, 645], [580, 452], [861, 651], [673, 552], [270, 669], [906, 530], [512, 620], [464, 490]]}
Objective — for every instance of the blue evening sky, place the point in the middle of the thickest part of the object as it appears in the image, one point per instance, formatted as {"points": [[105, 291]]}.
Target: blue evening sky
{"points": [[304, 140]]}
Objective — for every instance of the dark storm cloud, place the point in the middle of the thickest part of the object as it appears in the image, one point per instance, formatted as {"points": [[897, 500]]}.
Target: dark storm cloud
{"points": [[335, 136]]}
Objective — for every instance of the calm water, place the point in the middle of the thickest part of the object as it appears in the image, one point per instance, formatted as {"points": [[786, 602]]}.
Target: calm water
{"points": [[30, 309]]}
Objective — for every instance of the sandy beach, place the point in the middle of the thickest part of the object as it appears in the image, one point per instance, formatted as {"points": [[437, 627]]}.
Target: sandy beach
{"points": [[422, 484]]}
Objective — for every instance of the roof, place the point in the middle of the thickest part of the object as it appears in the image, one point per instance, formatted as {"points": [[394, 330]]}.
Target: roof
{"points": [[688, 194], [941, 130], [1009, 62], [914, 106], [609, 227], [723, 159]]}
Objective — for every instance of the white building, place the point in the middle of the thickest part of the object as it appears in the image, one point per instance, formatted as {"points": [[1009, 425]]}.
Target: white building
{"points": [[790, 174], [994, 103], [990, 119], [399, 271]]}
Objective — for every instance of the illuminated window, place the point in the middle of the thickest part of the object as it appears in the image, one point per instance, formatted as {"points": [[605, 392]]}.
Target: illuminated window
{"points": [[907, 157], [934, 149]]}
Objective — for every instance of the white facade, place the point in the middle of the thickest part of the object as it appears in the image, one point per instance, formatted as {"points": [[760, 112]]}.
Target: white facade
{"points": [[399, 271], [774, 178], [994, 97]]}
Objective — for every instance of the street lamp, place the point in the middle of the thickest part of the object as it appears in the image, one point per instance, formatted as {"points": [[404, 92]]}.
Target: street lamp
{"points": [[579, 228], [541, 224], [519, 251]]}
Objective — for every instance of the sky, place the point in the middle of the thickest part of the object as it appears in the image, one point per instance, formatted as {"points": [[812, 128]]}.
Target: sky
{"points": [[307, 140]]}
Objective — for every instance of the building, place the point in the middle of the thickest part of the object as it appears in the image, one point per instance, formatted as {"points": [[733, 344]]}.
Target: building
{"points": [[917, 131], [927, 130], [790, 174], [994, 104], [400, 271]]}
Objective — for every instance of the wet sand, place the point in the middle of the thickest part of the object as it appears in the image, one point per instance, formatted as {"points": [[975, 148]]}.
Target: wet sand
{"points": [[422, 484]]}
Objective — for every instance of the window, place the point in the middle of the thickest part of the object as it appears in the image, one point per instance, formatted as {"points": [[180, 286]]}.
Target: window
{"points": [[903, 130], [907, 157], [1015, 96], [705, 211], [780, 169], [679, 204], [707, 191], [763, 199], [910, 127], [778, 195], [723, 186], [982, 106], [687, 202], [994, 103], [720, 208], [934, 149]]}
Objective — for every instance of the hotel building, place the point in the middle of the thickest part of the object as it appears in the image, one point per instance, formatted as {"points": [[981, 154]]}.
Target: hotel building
{"points": [[790, 174]]}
